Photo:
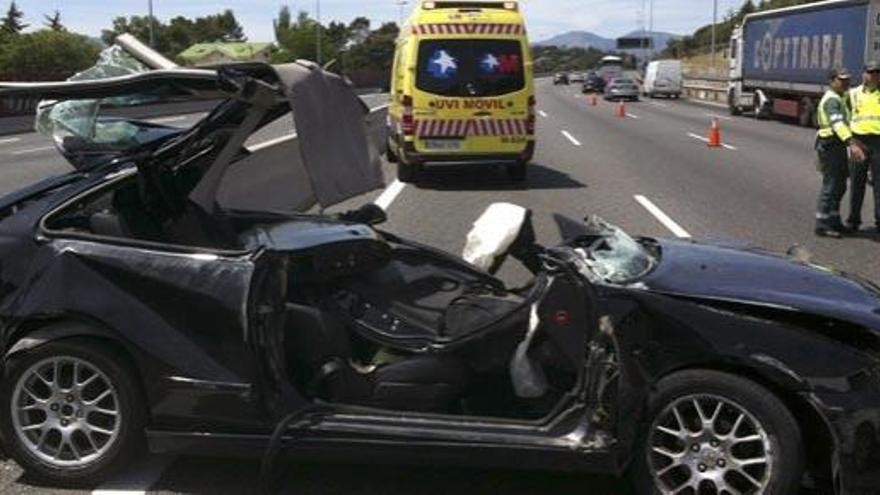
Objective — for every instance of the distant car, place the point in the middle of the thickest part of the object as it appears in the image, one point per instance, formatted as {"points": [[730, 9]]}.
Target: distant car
{"points": [[577, 77], [622, 89], [663, 77], [560, 78], [593, 84]]}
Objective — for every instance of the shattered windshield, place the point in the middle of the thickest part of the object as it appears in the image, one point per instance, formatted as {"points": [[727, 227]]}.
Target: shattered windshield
{"points": [[616, 257], [75, 124]]}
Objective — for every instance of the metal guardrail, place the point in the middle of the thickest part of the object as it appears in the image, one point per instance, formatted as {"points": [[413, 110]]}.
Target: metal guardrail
{"points": [[707, 88]]}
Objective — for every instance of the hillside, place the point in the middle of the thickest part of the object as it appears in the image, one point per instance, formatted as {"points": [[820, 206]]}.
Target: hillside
{"points": [[585, 40], [700, 41]]}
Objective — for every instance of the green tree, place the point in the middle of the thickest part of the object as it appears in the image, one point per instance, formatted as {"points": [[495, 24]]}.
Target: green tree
{"points": [[46, 55], [180, 33], [12, 22], [53, 22], [376, 51], [297, 39]]}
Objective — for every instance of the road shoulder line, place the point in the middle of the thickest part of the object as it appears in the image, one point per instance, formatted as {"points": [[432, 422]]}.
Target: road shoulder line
{"points": [[571, 138], [667, 222], [389, 195], [706, 140]]}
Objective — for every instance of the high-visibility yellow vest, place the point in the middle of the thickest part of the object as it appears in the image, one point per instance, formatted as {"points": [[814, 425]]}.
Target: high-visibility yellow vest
{"points": [[865, 111], [836, 124]]}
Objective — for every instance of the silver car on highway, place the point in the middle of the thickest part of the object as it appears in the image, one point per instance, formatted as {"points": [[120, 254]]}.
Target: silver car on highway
{"points": [[622, 89]]}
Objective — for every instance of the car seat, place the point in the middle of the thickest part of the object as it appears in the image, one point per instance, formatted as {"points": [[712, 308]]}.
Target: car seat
{"points": [[323, 366]]}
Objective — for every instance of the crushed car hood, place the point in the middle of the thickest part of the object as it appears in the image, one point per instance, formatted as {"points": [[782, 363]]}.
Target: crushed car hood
{"points": [[750, 276]]}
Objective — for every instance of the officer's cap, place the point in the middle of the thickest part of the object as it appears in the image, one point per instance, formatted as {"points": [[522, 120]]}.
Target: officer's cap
{"points": [[872, 66], [839, 74]]}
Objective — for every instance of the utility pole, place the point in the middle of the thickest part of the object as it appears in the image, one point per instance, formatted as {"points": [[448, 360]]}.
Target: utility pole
{"points": [[400, 5], [642, 21], [320, 28], [152, 22], [651, 25], [714, 22]]}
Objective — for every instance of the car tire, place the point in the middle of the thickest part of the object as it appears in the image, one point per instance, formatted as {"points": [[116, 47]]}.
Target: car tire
{"points": [[714, 445], [518, 172], [807, 113], [408, 173], [80, 458], [389, 153]]}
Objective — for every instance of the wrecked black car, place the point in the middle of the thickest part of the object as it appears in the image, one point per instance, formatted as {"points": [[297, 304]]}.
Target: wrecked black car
{"points": [[179, 286]]}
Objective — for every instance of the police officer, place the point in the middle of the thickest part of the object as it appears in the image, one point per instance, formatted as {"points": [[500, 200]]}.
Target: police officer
{"points": [[832, 141], [865, 126]]}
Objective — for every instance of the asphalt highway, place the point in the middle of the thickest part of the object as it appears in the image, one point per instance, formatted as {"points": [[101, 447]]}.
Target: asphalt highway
{"points": [[650, 173]]}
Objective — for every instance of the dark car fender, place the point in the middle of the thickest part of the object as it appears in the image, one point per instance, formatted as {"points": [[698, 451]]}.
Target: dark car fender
{"points": [[792, 354], [33, 334]]}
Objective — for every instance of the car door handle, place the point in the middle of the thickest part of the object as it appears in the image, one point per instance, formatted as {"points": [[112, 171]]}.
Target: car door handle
{"points": [[483, 114]]}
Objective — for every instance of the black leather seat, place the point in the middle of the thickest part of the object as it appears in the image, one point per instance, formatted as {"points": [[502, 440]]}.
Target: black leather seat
{"points": [[321, 363]]}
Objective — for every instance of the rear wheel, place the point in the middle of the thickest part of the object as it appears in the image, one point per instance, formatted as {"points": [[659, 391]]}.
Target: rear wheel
{"points": [[71, 412], [407, 172], [715, 433], [518, 172]]}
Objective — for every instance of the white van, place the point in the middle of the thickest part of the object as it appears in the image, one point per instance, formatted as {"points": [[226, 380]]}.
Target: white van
{"points": [[663, 77]]}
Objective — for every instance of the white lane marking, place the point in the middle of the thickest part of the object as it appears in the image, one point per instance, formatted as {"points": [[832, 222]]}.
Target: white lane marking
{"points": [[33, 150], [706, 140], [707, 103], [658, 104], [542, 113], [662, 217], [389, 195], [137, 479], [571, 138], [10, 140], [380, 107], [633, 116], [716, 116], [166, 120], [271, 142]]}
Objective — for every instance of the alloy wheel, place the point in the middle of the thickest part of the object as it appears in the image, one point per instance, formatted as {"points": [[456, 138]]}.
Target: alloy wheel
{"points": [[66, 412], [709, 445]]}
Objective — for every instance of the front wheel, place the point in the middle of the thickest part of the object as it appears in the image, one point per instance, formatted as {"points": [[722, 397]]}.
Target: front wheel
{"points": [[716, 433], [71, 412], [806, 112]]}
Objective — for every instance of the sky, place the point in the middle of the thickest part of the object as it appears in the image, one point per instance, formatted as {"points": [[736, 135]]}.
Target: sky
{"points": [[545, 18]]}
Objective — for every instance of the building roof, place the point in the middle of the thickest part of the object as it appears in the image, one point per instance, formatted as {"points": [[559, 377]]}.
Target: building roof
{"points": [[234, 51]]}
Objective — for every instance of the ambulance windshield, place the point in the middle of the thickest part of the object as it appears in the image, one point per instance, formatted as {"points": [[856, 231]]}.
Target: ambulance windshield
{"points": [[470, 68]]}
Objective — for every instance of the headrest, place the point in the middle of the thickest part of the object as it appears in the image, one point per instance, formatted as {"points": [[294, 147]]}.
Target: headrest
{"points": [[493, 234]]}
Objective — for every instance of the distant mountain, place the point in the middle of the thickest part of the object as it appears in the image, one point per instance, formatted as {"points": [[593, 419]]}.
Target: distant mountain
{"points": [[584, 39], [579, 39]]}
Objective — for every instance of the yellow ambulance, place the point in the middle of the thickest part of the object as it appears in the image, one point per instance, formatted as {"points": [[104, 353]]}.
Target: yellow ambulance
{"points": [[462, 88]]}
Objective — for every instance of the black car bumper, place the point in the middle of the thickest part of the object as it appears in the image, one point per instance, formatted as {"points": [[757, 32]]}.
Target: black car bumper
{"points": [[853, 418], [410, 156]]}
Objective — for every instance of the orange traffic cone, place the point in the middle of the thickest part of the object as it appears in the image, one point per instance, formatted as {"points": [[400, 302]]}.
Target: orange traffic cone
{"points": [[715, 135], [621, 109], [594, 100]]}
